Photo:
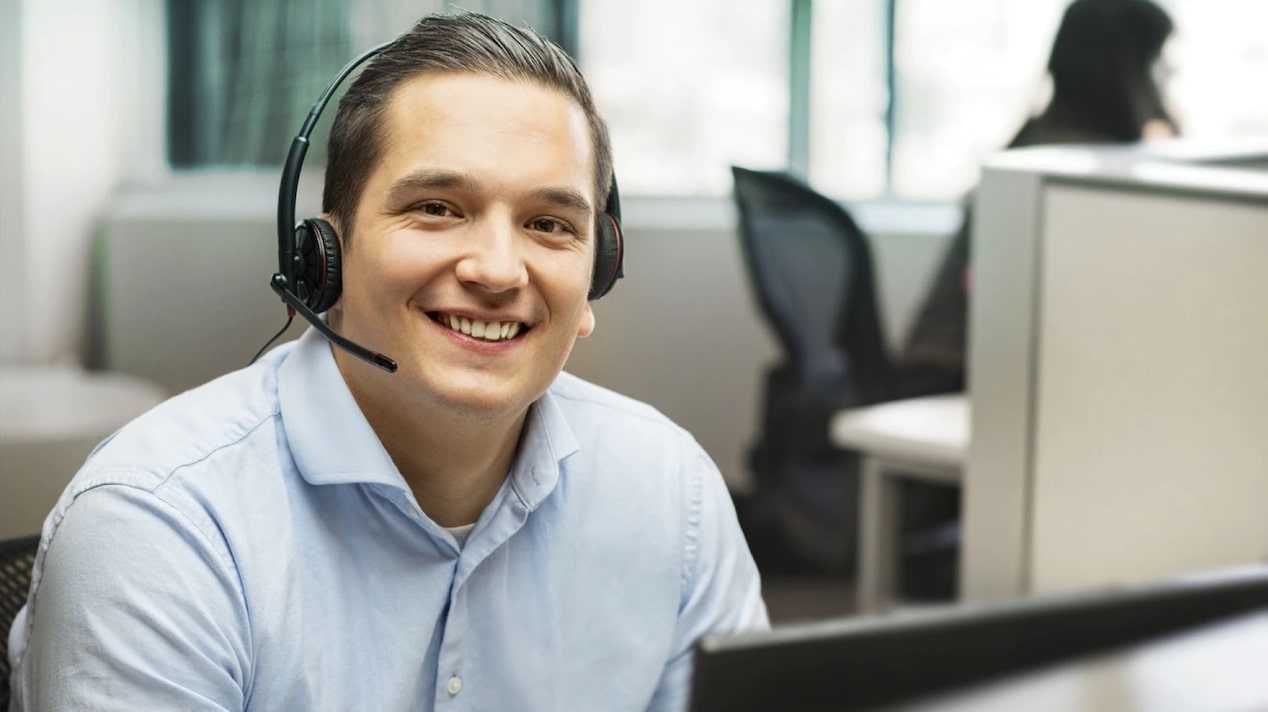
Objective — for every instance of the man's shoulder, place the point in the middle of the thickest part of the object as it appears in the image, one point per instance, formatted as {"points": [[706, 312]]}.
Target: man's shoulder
{"points": [[185, 431], [620, 426], [577, 393]]}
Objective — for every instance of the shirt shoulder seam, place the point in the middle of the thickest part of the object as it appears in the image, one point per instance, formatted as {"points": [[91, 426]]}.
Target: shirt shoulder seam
{"points": [[644, 412], [264, 418]]}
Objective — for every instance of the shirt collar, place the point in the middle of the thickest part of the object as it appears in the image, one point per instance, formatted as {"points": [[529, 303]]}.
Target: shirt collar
{"points": [[546, 441], [329, 437], [332, 442]]}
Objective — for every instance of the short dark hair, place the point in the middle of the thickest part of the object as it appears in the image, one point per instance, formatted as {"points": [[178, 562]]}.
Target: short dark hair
{"points": [[460, 43]]}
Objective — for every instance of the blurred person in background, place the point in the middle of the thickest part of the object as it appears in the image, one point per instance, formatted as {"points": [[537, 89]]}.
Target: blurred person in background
{"points": [[1108, 74]]}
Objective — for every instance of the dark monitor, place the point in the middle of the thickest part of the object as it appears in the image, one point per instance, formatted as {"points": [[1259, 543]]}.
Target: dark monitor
{"points": [[917, 657]]}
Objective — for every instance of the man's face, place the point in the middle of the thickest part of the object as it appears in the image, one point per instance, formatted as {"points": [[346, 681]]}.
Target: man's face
{"points": [[478, 218]]}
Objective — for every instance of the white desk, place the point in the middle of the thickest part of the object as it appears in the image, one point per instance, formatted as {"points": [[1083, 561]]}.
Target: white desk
{"points": [[920, 437], [1218, 666]]}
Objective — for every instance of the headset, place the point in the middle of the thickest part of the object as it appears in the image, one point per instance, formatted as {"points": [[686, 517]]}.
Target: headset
{"points": [[309, 277]]}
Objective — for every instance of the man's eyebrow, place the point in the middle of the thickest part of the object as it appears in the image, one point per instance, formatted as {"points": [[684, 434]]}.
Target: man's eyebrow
{"points": [[564, 198], [406, 186]]}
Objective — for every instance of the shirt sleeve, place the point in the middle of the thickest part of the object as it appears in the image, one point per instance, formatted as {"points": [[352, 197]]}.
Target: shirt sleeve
{"points": [[135, 608], [721, 586]]}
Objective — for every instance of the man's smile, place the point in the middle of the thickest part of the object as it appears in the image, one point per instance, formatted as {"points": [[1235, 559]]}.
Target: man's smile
{"points": [[486, 330]]}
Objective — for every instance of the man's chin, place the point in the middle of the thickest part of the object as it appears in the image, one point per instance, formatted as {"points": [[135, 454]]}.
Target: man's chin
{"points": [[474, 396], [478, 407]]}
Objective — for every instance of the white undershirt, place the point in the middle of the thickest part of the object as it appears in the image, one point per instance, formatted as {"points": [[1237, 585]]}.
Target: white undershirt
{"points": [[460, 533]]}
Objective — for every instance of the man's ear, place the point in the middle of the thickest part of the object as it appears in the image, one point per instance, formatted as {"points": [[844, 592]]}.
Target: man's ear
{"points": [[587, 323]]}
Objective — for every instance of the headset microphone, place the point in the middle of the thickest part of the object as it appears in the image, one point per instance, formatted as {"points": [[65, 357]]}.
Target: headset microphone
{"points": [[295, 305]]}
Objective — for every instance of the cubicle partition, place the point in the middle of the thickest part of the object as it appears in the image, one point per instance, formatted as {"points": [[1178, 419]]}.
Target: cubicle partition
{"points": [[1119, 368]]}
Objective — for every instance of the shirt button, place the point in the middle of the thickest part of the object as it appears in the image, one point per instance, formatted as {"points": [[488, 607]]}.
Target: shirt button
{"points": [[455, 685], [413, 512]]}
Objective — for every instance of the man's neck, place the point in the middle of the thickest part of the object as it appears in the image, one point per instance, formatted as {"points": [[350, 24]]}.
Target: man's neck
{"points": [[454, 463], [454, 469]]}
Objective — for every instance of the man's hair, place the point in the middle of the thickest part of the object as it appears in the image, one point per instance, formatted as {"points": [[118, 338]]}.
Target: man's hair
{"points": [[467, 43]]}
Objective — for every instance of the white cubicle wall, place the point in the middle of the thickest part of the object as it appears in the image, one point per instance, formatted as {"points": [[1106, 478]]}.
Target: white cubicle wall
{"points": [[1119, 371]]}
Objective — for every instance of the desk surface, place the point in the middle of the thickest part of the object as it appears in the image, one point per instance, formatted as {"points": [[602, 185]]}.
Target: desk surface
{"points": [[1216, 667], [933, 429], [52, 403]]}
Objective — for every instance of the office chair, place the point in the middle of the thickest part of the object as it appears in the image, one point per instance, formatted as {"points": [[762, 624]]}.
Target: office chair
{"points": [[17, 556], [810, 267]]}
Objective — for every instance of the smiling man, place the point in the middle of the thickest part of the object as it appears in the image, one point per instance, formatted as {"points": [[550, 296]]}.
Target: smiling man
{"points": [[478, 220], [477, 530]]}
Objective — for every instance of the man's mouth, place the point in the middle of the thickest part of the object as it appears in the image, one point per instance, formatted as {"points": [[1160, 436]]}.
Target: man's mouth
{"points": [[484, 330]]}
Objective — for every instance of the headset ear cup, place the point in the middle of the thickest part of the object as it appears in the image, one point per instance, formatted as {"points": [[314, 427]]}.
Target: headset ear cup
{"points": [[321, 278], [609, 256]]}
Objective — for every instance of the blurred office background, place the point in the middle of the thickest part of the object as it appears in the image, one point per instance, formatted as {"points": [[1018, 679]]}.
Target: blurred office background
{"points": [[141, 141]]}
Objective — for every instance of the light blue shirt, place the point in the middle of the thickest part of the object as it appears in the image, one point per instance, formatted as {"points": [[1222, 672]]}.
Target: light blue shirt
{"points": [[250, 545]]}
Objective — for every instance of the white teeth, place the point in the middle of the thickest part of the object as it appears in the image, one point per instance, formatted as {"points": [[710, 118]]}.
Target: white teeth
{"points": [[486, 330]]}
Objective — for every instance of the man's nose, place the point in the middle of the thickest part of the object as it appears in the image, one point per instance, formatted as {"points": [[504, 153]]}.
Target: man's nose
{"points": [[493, 259]]}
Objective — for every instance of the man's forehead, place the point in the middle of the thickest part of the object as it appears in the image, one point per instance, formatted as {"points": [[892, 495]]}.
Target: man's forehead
{"points": [[469, 102], [398, 169]]}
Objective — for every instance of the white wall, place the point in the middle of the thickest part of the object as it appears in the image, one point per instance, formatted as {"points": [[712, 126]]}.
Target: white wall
{"points": [[75, 128], [12, 246]]}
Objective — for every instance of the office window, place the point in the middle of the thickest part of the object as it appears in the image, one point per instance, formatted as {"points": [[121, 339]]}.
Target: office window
{"points": [[963, 77], [687, 98], [967, 75], [849, 97], [688, 88], [243, 74], [1218, 67]]}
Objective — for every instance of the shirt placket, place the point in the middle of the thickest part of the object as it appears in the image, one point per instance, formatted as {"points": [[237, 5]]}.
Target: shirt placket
{"points": [[455, 680]]}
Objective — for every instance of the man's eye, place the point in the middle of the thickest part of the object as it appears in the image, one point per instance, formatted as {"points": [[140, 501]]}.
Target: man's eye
{"points": [[548, 225], [436, 209]]}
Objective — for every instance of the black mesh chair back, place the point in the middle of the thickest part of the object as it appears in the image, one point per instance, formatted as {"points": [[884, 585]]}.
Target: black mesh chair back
{"points": [[811, 267], [17, 557]]}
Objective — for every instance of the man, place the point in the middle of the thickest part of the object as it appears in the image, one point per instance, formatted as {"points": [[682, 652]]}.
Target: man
{"points": [[475, 531]]}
